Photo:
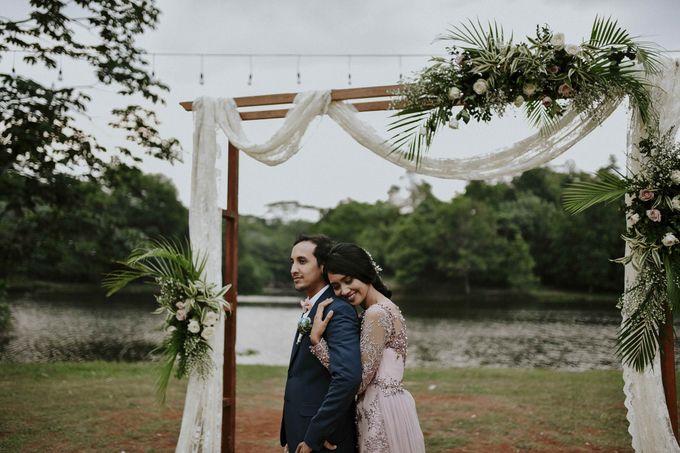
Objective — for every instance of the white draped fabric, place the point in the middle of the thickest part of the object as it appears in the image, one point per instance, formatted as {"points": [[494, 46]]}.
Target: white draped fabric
{"points": [[649, 422], [202, 419]]}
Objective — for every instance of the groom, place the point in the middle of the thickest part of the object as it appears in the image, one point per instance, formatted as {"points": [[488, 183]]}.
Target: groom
{"points": [[318, 406]]}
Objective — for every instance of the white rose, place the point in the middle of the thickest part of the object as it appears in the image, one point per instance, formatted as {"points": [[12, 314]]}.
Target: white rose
{"points": [[194, 326], [208, 332], [423, 130], [455, 93], [529, 88], [558, 40], [210, 318], [669, 240], [480, 86], [675, 176], [675, 202], [519, 100], [453, 123], [633, 218], [572, 49]]}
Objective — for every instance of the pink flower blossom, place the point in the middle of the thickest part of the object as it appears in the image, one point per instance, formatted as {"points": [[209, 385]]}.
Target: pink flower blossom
{"points": [[181, 315], [459, 60], [554, 69], [565, 90], [547, 101], [654, 215], [646, 195], [180, 305]]}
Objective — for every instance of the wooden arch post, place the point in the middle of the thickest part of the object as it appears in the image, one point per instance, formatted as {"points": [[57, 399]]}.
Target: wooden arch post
{"points": [[230, 271]]}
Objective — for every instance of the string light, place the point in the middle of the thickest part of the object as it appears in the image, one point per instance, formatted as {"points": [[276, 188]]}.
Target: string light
{"points": [[200, 79], [60, 75], [153, 65], [401, 73], [299, 80], [250, 73], [14, 57], [349, 70]]}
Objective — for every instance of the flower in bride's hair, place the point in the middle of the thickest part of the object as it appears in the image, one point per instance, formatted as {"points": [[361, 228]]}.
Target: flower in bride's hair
{"points": [[194, 326]]}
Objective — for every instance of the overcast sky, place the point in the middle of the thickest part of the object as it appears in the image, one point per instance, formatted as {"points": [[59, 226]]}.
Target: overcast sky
{"points": [[331, 166]]}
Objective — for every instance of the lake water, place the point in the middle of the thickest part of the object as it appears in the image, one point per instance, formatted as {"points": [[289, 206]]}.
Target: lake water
{"points": [[441, 334]]}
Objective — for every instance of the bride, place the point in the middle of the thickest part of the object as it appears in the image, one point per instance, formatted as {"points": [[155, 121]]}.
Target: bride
{"points": [[386, 413]]}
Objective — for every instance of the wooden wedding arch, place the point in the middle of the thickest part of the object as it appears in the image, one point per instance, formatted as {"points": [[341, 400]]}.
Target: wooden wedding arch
{"points": [[358, 97]]}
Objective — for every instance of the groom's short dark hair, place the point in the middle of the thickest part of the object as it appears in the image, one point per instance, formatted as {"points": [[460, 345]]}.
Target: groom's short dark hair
{"points": [[323, 245]]}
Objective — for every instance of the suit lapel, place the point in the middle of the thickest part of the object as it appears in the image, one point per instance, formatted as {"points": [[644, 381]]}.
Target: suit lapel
{"points": [[296, 346]]}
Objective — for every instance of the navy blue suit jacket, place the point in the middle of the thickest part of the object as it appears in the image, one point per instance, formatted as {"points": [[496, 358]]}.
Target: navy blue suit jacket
{"points": [[319, 402]]}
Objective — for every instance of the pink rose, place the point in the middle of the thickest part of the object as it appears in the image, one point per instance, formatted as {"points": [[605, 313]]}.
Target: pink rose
{"points": [[460, 60], [654, 215], [181, 315], [646, 195], [547, 102], [565, 90], [180, 305]]}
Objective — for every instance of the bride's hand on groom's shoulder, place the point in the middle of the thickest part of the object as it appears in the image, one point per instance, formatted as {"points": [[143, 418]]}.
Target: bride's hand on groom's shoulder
{"points": [[319, 325]]}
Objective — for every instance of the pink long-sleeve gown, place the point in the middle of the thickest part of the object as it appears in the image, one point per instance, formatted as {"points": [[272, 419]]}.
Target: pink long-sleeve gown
{"points": [[386, 416]]}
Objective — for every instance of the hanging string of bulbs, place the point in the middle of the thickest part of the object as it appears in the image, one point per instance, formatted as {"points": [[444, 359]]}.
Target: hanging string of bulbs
{"points": [[349, 58], [251, 57], [298, 61]]}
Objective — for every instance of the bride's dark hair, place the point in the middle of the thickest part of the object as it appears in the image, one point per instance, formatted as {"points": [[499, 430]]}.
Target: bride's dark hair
{"points": [[351, 260]]}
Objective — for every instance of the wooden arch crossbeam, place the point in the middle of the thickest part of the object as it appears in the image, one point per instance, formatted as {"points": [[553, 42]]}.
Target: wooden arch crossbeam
{"points": [[230, 270], [288, 98]]}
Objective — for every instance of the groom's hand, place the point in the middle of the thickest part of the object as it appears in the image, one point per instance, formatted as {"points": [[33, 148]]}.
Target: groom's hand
{"points": [[329, 446]]}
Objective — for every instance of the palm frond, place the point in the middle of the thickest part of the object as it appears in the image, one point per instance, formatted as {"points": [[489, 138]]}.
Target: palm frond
{"points": [[538, 116], [161, 258], [638, 341], [606, 32], [580, 196]]}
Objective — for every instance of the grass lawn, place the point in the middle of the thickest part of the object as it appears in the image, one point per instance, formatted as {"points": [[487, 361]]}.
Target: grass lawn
{"points": [[111, 407]]}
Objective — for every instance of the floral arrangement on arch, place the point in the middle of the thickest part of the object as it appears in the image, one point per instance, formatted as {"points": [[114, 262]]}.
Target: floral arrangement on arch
{"points": [[191, 306], [485, 73], [653, 237]]}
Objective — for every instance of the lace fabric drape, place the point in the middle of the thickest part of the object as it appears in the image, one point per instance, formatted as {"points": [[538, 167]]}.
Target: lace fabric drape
{"points": [[202, 418], [201, 422]]}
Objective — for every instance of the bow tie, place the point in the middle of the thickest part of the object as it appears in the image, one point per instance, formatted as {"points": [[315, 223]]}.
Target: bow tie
{"points": [[306, 305]]}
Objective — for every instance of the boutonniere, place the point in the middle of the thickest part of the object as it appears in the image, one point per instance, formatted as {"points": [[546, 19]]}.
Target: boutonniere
{"points": [[304, 327]]}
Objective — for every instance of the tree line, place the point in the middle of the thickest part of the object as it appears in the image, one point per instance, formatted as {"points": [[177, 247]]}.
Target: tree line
{"points": [[508, 234]]}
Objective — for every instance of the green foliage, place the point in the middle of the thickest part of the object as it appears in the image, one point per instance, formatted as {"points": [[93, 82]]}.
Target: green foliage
{"points": [[485, 72], [183, 297], [44, 143], [84, 226]]}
